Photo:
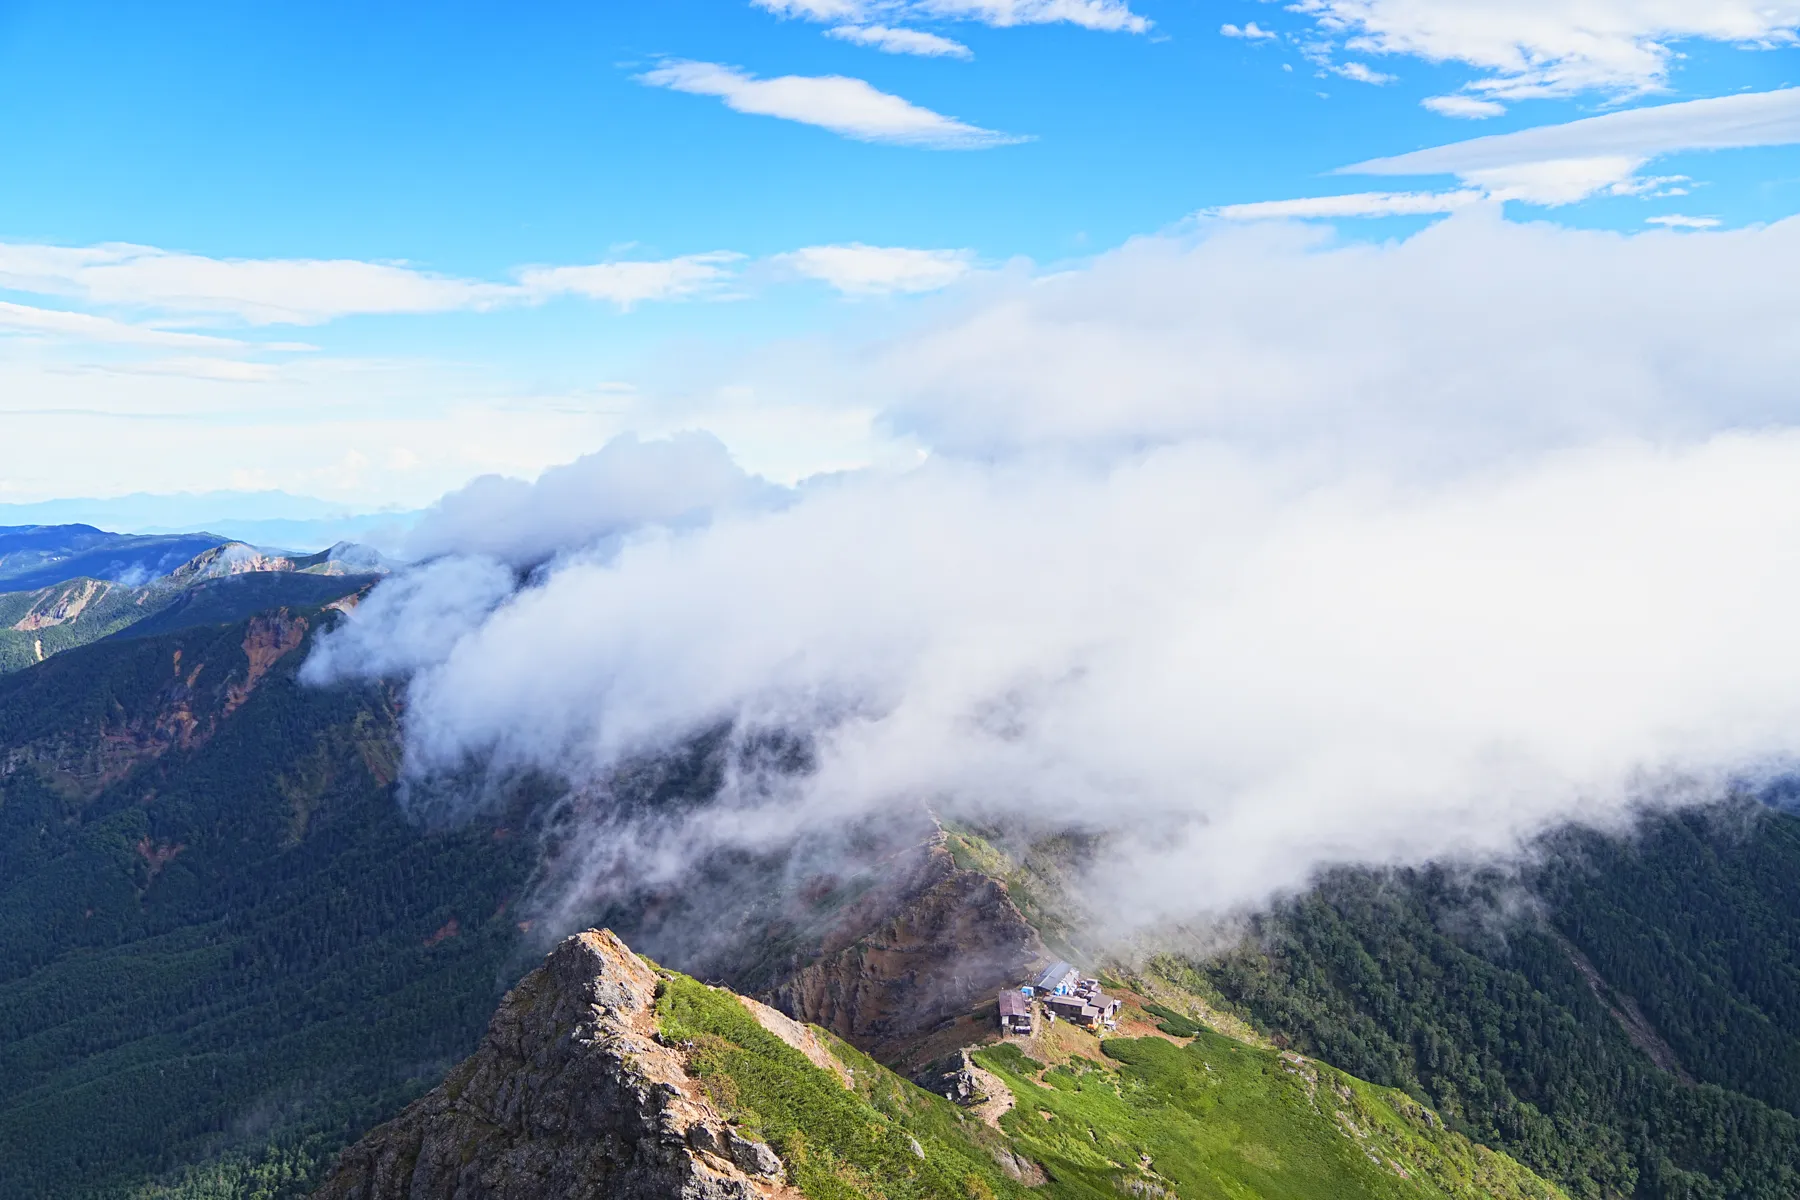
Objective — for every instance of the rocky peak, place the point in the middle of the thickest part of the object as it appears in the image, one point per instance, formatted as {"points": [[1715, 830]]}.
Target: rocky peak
{"points": [[571, 1094]]}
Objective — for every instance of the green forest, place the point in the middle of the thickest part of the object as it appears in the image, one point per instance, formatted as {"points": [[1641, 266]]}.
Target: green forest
{"points": [[1467, 993], [238, 948], [225, 951]]}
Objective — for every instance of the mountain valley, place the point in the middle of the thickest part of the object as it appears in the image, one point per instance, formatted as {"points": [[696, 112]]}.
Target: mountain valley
{"points": [[231, 949]]}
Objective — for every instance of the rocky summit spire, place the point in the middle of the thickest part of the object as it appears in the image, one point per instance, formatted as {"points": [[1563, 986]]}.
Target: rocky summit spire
{"points": [[569, 1095]]}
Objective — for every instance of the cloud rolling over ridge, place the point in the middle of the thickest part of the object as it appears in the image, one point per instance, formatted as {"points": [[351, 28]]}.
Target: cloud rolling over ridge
{"points": [[1255, 554]]}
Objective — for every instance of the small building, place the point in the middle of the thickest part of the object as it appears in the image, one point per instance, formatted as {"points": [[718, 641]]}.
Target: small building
{"points": [[1015, 1013], [1092, 1011], [1057, 979]]}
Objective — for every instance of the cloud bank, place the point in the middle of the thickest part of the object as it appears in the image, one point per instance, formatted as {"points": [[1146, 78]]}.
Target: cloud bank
{"points": [[1252, 554]]}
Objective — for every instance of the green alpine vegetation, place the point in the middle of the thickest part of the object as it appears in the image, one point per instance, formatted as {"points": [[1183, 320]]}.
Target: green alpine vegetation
{"points": [[1214, 1118]]}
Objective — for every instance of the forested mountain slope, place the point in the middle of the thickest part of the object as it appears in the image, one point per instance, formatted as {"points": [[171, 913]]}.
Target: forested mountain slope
{"points": [[225, 952], [223, 583], [1536, 1019], [216, 928]]}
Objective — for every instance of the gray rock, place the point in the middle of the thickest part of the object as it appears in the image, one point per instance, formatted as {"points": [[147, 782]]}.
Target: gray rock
{"points": [[569, 1096], [754, 1157]]}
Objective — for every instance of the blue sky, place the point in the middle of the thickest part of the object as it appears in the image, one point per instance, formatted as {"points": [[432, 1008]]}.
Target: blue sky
{"points": [[378, 247]]}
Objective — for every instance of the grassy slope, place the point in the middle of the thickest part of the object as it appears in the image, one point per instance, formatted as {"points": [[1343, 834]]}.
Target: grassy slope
{"points": [[1214, 1118]]}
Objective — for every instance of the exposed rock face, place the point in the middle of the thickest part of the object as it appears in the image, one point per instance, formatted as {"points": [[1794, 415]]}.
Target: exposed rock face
{"points": [[183, 710], [61, 604], [941, 947], [571, 1096]]}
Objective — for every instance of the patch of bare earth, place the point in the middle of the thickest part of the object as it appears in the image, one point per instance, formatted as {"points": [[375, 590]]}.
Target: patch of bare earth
{"points": [[1630, 1017]]}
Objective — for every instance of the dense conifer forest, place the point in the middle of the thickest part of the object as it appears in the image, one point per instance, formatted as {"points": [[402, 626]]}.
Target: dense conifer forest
{"points": [[1532, 1010], [239, 943], [225, 951]]}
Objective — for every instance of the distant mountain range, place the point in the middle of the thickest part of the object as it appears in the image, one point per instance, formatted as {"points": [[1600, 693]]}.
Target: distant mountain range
{"points": [[69, 585], [265, 518], [35, 556]]}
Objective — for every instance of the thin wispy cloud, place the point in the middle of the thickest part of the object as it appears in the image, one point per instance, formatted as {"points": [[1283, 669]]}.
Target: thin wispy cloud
{"points": [[1358, 204], [849, 107], [631, 282], [1104, 15], [859, 270], [258, 291], [245, 292], [1559, 164], [27, 319], [1466, 108], [1544, 48], [1678, 221], [891, 40], [1361, 73]]}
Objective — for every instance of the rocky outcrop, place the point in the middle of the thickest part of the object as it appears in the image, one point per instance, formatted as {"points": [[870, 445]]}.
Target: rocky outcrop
{"points": [[944, 944], [59, 605], [570, 1095]]}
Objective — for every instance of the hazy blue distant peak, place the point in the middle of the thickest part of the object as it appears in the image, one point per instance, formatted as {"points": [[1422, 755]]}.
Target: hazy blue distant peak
{"points": [[180, 512], [37, 556]]}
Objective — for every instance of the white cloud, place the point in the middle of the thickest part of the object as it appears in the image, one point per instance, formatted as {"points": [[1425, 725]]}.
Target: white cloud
{"points": [[1559, 180], [222, 370], [1250, 31], [259, 291], [1475, 336], [890, 40], [24, 318], [306, 291], [630, 282], [626, 485], [1359, 204], [818, 10], [418, 620], [1113, 16], [1553, 163], [1467, 108], [1258, 552], [846, 106], [1677, 221], [1105, 15], [857, 269], [1360, 73], [1533, 48]]}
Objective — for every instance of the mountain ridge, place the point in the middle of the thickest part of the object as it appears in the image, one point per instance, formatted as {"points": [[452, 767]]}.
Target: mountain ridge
{"points": [[207, 881], [602, 1076]]}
